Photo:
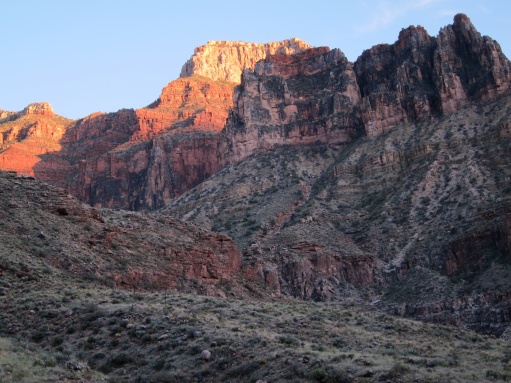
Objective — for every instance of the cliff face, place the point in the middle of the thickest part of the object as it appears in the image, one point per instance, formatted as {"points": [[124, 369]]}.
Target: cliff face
{"points": [[174, 142], [420, 76], [293, 165], [290, 94], [171, 148], [226, 60], [27, 136], [318, 96], [416, 218], [300, 99]]}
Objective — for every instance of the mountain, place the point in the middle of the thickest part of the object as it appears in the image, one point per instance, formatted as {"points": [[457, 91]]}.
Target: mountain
{"points": [[276, 210], [385, 179], [381, 180], [96, 295]]}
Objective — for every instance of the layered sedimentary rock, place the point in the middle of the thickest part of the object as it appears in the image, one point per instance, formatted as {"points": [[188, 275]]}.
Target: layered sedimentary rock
{"points": [[396, 218], [290, 94], [415, 218], [419, 76], [305, 98], [26, 137], [171, 147], [226, 60]]}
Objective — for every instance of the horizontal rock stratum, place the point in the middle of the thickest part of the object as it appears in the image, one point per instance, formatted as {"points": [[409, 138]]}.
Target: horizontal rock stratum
{"points": [[289, 93]]}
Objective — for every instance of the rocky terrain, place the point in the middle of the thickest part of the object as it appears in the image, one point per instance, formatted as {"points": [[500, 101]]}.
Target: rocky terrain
{"points": [[226, 60], [271, 174], [44, 226], [290, 94], [98, 295]]}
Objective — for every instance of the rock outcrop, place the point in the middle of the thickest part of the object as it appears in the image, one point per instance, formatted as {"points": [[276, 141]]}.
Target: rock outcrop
{"points": [[173, 144], [27, 136], [290, 94], [419, 76], [47, 227], [305, 98], [282, 164], [226, 60], [415, 218], [168, 148], [5, 114]]}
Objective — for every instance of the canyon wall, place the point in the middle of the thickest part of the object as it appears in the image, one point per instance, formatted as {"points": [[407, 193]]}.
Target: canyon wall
{"points": [[290, 94], [420, 77]]}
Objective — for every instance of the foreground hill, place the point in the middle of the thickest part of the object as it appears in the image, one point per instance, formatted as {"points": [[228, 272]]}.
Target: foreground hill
{"points": [[91, 295], [44, 229]]}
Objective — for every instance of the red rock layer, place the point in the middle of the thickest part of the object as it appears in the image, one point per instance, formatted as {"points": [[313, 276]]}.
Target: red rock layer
{"points": [[26, 137], [194, 103], [127, 249], [314, 95], [171, 148]]}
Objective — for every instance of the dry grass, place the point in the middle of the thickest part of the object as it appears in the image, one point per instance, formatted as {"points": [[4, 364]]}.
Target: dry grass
{"points": [[159, 337]]}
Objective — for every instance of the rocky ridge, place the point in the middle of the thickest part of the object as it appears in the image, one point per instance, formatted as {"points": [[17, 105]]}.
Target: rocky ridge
{"points": [[336, 179], [294, 95], [420, 77], [416, 218]]}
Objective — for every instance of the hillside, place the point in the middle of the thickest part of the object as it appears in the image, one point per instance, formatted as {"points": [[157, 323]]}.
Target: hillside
{"points": [[90, 295]]}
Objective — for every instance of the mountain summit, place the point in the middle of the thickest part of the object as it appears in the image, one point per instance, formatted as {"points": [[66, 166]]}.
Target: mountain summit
{"points": [[226, 60]]}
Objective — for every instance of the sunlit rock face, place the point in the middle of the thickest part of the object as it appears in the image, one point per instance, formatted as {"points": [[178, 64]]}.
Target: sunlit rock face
{"points": [[226, 60]]}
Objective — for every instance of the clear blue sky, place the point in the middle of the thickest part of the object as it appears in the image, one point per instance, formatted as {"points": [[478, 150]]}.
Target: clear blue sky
{"points": [[85, 56]]}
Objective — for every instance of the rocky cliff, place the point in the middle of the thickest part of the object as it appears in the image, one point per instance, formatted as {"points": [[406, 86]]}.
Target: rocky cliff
{"points": [[318, 96], [415, 218], [171, 147], [226, 60], [293, 163], [305, 98], [27, 136], [290, 94], [419, 76]]}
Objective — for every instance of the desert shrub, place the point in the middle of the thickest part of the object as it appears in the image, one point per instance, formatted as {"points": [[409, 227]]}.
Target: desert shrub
{"points": [[330, 375], [158, 364], [38, 336], [339, 343], [289, 340], [57, 341], [120, 360], [244, 370], [496, 375], [397, 371]]}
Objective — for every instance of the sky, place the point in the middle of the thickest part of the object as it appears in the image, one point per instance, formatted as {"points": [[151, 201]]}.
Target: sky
{"points": [[87, 56]]}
